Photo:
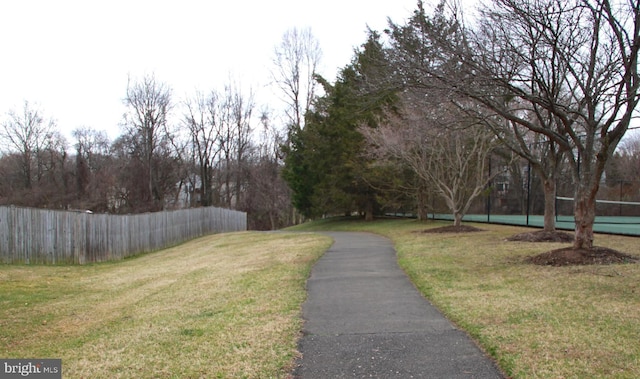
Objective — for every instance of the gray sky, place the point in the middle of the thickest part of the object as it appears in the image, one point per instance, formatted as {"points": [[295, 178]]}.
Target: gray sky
{"points": [[73, 57]]}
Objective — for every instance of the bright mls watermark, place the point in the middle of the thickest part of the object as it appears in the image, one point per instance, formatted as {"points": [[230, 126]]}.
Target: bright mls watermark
{"points": [[31, 368]]}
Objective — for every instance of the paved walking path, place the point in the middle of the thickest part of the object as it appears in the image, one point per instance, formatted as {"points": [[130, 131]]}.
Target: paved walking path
{"points": [[364, 318]]}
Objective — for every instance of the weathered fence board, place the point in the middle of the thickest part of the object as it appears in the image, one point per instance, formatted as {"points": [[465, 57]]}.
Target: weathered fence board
{"points": [[29, 235]]}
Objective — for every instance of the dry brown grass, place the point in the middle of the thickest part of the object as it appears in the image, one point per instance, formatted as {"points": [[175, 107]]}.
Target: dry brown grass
{"points": [[536, 321], [220, 306], [543, 322]]}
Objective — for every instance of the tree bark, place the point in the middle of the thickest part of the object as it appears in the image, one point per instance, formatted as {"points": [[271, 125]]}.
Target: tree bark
{"points": [[584, 213], [549, 205], [368, 216], [423, 211], [457, 219]]}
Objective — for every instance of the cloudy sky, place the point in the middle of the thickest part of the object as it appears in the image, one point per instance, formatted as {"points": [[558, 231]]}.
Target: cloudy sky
{"points": [[73, 57]]}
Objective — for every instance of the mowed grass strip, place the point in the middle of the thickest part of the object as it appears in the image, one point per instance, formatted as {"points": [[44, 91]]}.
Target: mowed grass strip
{"points": [[537, 322], [223, 306]]}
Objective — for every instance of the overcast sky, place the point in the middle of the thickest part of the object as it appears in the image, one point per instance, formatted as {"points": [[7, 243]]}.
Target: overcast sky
{"points": [[73, 57]]}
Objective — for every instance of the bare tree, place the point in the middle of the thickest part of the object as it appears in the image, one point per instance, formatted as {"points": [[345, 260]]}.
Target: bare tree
{"points": [[241, 106], [92, 168], [52, 172], [149, 103], [448, 149], [268, 200], [36, 161], [574, 60], [235, 121], [202, 119], [447, 152], [27, 133], [571, 64], [91, 144], [544, 156], [296, 63]]}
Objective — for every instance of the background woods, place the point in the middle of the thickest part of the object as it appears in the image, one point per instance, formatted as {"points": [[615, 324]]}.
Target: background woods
{"points": [[434, 114], [204, 151]]}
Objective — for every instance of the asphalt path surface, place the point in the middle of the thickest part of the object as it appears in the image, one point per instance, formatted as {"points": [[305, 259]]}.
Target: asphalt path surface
{"points": [[365, 319]]}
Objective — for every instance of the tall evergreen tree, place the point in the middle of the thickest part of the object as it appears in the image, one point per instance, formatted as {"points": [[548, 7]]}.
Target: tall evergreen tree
{"points": [[326, 166]]}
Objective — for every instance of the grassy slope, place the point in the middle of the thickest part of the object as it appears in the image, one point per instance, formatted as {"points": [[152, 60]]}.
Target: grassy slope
{"points": [[219, 306], [537, 322], [228, 305]]}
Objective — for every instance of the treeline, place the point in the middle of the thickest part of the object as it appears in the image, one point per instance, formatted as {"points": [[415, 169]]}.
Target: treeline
{"points": [[203, 151], [435, 112], [216, 148], [432, 112]]}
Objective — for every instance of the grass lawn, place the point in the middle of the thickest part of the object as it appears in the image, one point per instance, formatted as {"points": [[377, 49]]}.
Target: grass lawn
{"points": [[536, 321], [220, 306], [229, 305]]}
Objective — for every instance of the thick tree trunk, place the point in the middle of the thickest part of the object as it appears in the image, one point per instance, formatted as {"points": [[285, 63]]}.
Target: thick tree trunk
{"points": [[368, 215], [423, 213], [549, 205], [457, 219], [585, 214]]}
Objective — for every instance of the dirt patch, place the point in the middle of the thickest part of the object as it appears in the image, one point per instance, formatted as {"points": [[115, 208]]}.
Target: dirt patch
{"points": [[569, 256], [452, 229], [542, 236]]}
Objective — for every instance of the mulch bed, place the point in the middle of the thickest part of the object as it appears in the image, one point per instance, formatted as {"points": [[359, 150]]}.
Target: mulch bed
{"points": [[569, 256]]}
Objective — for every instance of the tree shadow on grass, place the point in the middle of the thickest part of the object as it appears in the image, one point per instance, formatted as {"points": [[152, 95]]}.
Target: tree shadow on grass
{"points": [[542, 236], [452, 229]]}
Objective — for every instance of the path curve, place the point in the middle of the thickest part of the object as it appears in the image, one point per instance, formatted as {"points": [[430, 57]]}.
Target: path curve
{"points": [[364, 318]]}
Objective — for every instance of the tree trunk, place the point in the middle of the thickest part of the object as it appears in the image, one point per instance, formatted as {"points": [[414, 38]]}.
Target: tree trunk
{"points": [[27, 170], [205, 184], [457, 219], [585, 214], [368, 215], [549, 205], [423, 211]]}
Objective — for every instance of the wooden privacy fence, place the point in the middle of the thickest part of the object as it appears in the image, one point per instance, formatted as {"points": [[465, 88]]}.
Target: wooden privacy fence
{"points": [[29, 235]]}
